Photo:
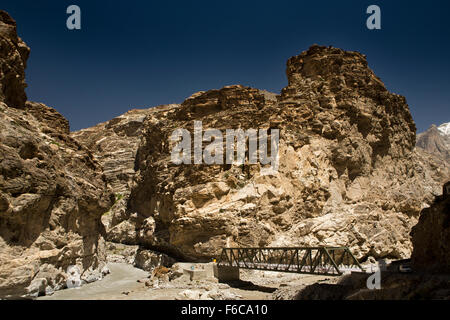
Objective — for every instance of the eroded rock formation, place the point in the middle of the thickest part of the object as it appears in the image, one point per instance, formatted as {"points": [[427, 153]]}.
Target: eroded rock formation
{"points": [[14, 54], [114, 145], [52, 192], [349, 173]]}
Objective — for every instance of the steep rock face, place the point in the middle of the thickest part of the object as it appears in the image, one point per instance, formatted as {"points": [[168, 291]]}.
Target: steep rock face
{"points": [[114, 145], [13, 58], [431, 236], [167, 192], [436, 140], [52, 196], [52, 193], [334, 94], [348, 174]]}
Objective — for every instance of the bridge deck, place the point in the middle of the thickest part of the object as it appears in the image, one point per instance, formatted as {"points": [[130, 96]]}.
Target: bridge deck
{"points": [[308, 260]]}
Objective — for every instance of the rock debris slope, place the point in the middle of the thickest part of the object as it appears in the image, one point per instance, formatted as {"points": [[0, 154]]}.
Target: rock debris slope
{"points": [[349, 172], [52, 192]]}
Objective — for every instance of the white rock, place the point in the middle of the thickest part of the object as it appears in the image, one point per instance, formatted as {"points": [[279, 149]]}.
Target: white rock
{"points": [[73, 277]]}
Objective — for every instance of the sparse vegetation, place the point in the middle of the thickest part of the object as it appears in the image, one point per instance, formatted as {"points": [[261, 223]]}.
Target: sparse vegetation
{"points": [[118, 197], [55, 143]]}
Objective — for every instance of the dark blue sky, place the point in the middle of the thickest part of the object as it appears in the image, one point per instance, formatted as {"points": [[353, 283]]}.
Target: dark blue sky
{"points": [[138, 54]]}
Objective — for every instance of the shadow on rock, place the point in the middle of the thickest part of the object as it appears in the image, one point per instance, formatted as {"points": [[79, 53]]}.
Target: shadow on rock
{"points": [[248, 285]]}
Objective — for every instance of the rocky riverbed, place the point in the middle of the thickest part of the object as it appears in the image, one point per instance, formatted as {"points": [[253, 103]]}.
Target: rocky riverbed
{"points": [[127, 282]]}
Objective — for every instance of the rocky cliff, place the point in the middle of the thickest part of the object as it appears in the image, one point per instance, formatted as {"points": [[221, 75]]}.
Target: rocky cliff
{"points": [[348, 171], [436, 140], [114, 145], [431, 236], [52, 191], [14, 54], [348, 175]]}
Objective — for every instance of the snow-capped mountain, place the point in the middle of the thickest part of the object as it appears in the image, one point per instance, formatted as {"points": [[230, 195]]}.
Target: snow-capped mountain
{"points": [[444, 128], [436, 140]]}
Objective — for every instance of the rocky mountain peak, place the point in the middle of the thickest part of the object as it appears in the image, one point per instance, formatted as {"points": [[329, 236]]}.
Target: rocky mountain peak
{"points": [[227, 99], [444, 129], [333, 93], [326, 61], [436, 140]]}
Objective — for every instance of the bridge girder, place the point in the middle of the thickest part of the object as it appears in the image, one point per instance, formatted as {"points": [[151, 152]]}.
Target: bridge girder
{"points": [[306, 260]]}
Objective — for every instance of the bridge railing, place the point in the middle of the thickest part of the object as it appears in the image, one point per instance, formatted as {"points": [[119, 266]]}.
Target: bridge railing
{"points": [[309, 260]]}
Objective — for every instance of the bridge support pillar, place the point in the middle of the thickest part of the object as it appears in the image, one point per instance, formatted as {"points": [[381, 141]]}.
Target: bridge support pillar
{"points": [[226, 273]]}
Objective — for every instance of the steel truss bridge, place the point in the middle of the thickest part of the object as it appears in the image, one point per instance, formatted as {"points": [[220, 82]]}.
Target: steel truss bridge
{"points": [[307, 260]]}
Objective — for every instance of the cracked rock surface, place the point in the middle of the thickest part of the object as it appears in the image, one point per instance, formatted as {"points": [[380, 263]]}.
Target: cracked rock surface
{"points": [[349, 172], [52, 192]]}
